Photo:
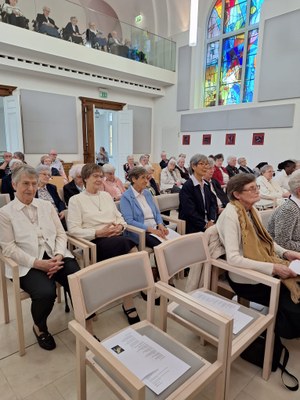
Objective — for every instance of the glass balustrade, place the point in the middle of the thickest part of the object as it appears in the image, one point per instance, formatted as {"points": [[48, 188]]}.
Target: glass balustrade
{"points": [[95, 30]]}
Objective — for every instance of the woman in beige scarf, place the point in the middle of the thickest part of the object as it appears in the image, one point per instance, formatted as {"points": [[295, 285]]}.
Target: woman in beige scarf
{"points": [[248, 245]]}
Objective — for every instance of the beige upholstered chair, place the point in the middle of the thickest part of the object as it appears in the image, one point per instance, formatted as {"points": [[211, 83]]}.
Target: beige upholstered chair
{"points": [[265, 216], [58, 181], [20, 294], [169, 202], [93, 288], [175, 255]]}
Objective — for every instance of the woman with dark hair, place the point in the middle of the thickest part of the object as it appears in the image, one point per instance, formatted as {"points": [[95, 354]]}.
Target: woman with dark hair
{"points": [[197, 204], [220, 173], [248, 245], [92, 215], [285, 168]]}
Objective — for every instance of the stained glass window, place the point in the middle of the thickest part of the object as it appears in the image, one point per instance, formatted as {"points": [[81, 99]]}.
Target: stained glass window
{"points": [[232, 40]]}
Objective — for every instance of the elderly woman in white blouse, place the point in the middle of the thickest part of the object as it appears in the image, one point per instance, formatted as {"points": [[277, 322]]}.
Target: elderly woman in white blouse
{"points": [[269, 189], [93, 215], [170, 179]]}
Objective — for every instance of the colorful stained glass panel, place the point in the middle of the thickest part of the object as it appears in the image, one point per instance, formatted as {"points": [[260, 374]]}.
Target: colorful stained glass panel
{"points": [[231, 69], [211, 74], [255, 11], [214, 23], [250, 66], [235, 15]]}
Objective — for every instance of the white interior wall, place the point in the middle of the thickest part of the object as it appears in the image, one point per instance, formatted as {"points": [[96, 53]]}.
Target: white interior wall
{"points": [[279, 145]]}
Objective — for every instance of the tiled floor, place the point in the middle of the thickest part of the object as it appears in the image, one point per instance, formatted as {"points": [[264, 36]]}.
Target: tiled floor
{"points": [[42, 375]]}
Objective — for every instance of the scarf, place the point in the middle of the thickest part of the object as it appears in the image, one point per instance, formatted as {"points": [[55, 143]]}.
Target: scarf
{"points": [[258, 245]]}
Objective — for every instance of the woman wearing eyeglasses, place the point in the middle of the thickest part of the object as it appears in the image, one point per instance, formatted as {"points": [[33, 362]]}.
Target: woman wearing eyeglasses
{"points": [[248, 245], [197, 204]]}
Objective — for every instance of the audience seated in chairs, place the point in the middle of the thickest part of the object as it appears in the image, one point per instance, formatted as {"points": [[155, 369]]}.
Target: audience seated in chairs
{"points": [[47, 160], [95, 38], [47, 191], [12, 14], [45, 24], [76, 185], [113, 41], [231, 166], [215, 187], [220, 172], [71, 31], [32, 236], [243, 166], [92, 215], [111, 183], [7, 186]]}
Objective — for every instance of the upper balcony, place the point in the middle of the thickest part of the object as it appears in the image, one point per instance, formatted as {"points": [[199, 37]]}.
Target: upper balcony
{"points": [[143, 61]]}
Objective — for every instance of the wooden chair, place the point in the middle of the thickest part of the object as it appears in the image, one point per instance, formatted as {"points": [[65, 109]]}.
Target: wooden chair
{"points": [[20, 294], [58, 181], [4, 199], [169, 202], [93, 288], [265, 216], [174, 256]]}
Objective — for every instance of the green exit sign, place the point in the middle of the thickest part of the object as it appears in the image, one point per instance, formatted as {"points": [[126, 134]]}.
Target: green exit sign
{"points": [[138, 19], [103, 94]]}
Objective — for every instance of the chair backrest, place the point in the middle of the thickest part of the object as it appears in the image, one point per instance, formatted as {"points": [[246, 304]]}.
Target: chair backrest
{"points": [[166, 202], [265, 216], [4, 199], [175, 255], [102, 283], [157, 171], [58, 181]]}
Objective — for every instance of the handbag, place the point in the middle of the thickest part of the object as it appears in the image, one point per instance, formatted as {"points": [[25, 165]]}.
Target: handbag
{"points": [[254, 354]]}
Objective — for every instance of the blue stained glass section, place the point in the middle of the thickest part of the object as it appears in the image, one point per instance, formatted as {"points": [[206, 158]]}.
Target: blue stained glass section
{"points": [[250, 66], [255, 11]]}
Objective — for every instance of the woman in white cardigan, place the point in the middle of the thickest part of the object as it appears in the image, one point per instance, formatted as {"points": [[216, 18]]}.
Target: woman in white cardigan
{"points": [[269, 189], [170, 178]]}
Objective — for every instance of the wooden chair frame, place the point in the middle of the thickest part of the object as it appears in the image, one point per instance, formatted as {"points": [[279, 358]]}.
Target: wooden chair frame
{"points": [[114, 374], [241, 341]]}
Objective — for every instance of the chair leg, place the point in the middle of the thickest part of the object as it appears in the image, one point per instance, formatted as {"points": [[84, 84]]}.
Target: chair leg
{"points": [[4, 293], [81, 370], [19, 317]]}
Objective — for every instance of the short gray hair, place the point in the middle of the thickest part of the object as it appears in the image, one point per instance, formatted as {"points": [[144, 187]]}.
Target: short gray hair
{"points": [[211, 162], [108, 168], [229, 158], [23, 169], [43, 167], [294, 182], [265, 168], [75, 170], [14, 161], [240, 159], [172, 161], [194, 161]]}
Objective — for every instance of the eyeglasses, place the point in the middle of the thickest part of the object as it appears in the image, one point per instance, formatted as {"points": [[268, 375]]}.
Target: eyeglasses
{"points": [[252, 190], [205, 164]]}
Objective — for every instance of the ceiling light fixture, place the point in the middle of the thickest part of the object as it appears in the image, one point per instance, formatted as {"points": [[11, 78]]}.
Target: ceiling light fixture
{"points": [[193, 23]]}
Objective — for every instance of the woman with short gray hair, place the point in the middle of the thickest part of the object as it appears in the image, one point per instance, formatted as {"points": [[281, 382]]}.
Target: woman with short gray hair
{"points": [[198, 205], [269, 189], [284, 224], [170, 179], [76, 185]]}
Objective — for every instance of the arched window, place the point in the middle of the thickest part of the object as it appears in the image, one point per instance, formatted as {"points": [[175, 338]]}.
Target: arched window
{"points": [[232, 40]]}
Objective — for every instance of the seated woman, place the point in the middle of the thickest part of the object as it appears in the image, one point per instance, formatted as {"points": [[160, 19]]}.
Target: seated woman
{"points": [[285, 168], [170, 179], [220, 173], [76, 185], [47, 160], [95, 38], [6, 186], [248, 245], [111, 183], [92, 215], [13, 15], [47, 191], [129, 165], [197, 204], [269, 189], [71, 31], [284, 224], [184, 173], [32, 235]]}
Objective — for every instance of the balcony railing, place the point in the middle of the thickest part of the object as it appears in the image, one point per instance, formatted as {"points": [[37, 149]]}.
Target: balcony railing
{"points": [[113, 35]]}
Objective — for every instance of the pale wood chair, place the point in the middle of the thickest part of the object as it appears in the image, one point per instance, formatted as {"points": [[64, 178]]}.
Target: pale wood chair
{"points": [[265, 216], [170, 202], [4, 199], [93, 288], [58, 181], [20, 294], [174, 256]]}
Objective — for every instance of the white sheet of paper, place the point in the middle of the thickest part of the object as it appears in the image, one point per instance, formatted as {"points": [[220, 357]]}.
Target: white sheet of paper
{"points": [[151, 363], [295, 266], [171, 235], [224, 307]]}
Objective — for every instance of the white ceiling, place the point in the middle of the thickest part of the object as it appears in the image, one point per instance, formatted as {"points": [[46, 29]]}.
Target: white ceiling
{"points": [[162, 17]]}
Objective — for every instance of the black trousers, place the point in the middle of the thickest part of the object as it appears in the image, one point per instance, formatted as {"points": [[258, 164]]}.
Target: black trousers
{"points": [[288, 315], [42, 290]]}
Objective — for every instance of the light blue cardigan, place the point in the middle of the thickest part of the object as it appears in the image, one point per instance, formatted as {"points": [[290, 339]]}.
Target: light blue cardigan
{"points": [[133, 213]]}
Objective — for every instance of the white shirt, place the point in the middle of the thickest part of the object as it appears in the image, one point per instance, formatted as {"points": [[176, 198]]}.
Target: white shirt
{"points": [[282, 179], [148, 214]]}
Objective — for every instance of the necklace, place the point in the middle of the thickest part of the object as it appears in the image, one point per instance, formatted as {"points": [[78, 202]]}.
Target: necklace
{"points": [[95, 199]]}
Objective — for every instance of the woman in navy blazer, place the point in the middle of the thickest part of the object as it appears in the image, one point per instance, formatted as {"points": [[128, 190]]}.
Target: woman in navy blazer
{"points": [[138, 208]]}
